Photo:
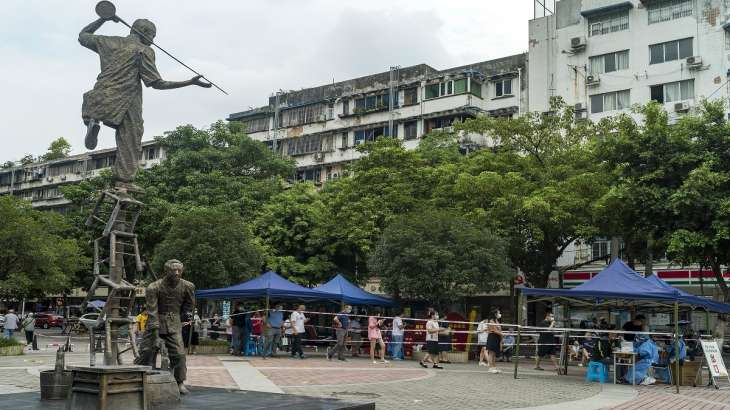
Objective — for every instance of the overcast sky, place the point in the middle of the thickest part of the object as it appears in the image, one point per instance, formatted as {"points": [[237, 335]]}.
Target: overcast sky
{"points": [[250, 48]]}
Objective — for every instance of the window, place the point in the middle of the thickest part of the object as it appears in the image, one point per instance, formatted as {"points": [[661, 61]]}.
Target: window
{"points": [[670, 51], [449, 87], [665, 10], [608, 63], [475, 87], [345, 140], [617, 100], [410, 130], [151, 153], [307, 144], [345, 107], [314, 175], [372, 103], [363, 136], [503, 87], [410, 96], [601, 249], [62, 169], [256, 125], [676, 91], [608, 23], [439, 123], [302, 115]]}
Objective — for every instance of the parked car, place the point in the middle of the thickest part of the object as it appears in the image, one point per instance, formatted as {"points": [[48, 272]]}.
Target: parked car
{"points": [[46, 320]]}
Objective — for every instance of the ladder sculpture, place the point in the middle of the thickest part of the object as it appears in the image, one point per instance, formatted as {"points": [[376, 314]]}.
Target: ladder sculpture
{"points": [[113, 217]]}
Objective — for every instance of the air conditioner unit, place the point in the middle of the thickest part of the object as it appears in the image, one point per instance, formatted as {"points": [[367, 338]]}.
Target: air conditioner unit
{"points": [[578, 43], [49, 179], [63, 177], [581, 115], [579, 107], [681, 106], [319, 156], [592, 80], [694, 62]]}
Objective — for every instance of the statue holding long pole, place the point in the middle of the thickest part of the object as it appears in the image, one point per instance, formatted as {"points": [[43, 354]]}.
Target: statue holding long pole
{"points": [[116, 99]]}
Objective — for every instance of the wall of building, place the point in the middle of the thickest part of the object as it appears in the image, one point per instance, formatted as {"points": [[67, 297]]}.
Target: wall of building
{"points": [[558, 69], [332, 114], [40, 182]]}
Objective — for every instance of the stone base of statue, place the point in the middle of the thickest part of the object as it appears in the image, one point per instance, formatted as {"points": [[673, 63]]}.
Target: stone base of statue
{"points": [[108, 388], [55, 385], [161, 390]]}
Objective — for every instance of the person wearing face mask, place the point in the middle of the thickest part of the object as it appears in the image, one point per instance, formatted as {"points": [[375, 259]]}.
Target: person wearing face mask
{"points": [[168, 300], [546, 342], [432, 341], [341, 323], [494, 341]]}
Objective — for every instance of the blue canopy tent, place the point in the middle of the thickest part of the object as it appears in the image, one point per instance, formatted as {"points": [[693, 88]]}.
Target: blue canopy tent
{"points": [[690, 299], [268, 285], [344, 291]]}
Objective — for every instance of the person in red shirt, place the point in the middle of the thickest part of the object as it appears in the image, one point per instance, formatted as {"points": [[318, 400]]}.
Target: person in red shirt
{"points": [[257, 328]]}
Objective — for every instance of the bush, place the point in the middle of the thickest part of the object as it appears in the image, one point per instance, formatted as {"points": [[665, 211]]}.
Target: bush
{"points": [[211, 342], [6, 342]]}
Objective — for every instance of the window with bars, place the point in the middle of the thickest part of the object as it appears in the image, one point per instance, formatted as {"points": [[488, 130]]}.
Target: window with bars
{"points": [[670, 51], [617, 100], [665, 10], [256, 125], [675, 91], [610, 62], [410, 96], [307, 144], [302, 115], [601, 249], [410, 130], [608, 23], [371, 134], [372, 103]]}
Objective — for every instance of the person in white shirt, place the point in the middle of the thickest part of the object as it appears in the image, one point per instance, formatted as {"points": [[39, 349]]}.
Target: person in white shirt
{"points": [[432, 342], [11, 323], [297, 322], [396, 338], [482, 334], [286, 341]]}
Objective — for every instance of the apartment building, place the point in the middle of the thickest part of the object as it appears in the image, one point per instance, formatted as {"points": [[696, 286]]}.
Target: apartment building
{"points": [[39, 182], [321, 126], [605, 55]]}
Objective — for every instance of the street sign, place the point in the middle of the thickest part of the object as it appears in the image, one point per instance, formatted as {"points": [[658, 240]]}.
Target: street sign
{"points": [[713, 355]]}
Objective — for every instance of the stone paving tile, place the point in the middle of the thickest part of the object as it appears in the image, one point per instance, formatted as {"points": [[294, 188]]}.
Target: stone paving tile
{"points": [[19, 378], [665, 397]]}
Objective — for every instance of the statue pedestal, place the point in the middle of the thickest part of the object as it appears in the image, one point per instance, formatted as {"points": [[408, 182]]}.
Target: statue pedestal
{"points": [[161, 390], [108, 388]]}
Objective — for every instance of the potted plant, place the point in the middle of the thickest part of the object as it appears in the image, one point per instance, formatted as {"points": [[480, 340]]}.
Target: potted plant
{"points": [[210, 346]]}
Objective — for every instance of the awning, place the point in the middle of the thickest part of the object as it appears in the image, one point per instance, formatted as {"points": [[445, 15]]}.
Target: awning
{"points": [[611, 8]]}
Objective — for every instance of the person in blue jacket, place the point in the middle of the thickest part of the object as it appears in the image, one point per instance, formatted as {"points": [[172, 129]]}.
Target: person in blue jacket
{"points": [[646, 355]]}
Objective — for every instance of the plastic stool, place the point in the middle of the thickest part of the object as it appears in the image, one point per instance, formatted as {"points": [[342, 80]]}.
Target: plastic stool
{"points": [[597, 372], [251, 348]]}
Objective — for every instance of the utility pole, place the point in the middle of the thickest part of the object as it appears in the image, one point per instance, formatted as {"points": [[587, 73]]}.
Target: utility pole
{"points": [[392, 96]]}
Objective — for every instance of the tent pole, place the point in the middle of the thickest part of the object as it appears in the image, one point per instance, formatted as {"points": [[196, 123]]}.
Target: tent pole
{"points": [[519, 331], [676, 344]]}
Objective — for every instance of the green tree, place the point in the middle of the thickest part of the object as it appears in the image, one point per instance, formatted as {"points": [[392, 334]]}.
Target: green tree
{"points": [[37, 256], [216, 246], [59, 148], [291, 226], [439, 256], [535, 188]]}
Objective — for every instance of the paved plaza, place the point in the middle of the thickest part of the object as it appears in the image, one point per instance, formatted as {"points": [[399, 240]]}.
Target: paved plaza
{"points": [[397, 385]]}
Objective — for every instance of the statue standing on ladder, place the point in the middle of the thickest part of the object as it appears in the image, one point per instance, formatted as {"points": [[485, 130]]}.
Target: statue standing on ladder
{"points": [[168, 299], [116, 99]]}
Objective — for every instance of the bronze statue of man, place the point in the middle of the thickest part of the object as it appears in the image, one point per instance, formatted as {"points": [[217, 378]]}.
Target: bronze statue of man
{"points": [[167, 300], [116, 99]]}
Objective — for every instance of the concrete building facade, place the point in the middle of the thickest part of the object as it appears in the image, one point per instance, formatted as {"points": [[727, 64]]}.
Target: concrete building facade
{"points": [[40, 182], [603, 56], [321, 126]]}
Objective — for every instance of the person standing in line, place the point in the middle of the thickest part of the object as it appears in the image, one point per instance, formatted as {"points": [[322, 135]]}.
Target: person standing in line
{"points": [[297, 321], [432, 341], [215, 327], [482, 336], [376, 337], [546, 342], [356, 336], [341, 323], [494, 342], [274, 326], [11, 323], [257, 332], [238, 322], [28, 325], [396, 337]]}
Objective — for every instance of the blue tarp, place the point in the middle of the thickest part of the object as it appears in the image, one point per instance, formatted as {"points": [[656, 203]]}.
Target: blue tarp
{"points": [[341, 289], [269, 284], [690, 299], [618, 281]]}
